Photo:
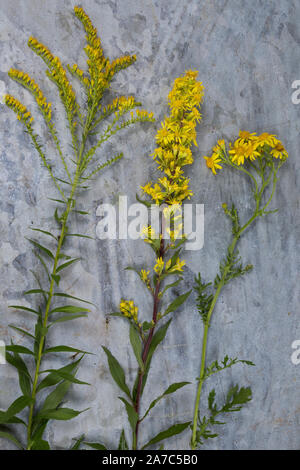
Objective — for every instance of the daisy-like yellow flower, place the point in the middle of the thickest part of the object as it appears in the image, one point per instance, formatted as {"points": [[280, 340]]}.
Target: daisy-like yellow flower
{"points": [[238, 152], [213, 162], [266, 139], [245, 136], [129, 310], [159, 266], [279, 151]]}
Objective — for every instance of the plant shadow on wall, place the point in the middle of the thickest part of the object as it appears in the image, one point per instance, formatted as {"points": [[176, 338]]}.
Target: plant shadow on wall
{"points": [[87, 123], [259, 158]]}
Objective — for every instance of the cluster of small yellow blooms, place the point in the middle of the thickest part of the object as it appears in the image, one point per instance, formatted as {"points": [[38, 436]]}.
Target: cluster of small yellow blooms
{"points": [[144, 275], [159, 266], [22, 112], [75, 70], [174, 140], [28, 82], [101, 71], [149, 234], [57, 74], [178, 266], [248, 146], [129, 310]]}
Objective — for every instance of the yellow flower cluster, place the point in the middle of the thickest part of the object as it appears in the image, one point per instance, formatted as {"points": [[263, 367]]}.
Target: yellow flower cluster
{"points": [[28, 82], [174, 140], [22, 112], [129, 310], [75, 70], [149, 234], [57, 74], [248, 146], [159, 266], [178, 266]]}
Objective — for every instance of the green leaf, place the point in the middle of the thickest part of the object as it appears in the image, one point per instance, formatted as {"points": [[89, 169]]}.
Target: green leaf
{"points": [[171, 389], [172, 431], [55, 377], [68, 296], [64, 375], [24, 332], [41, 247], [54, 399], [122, 442], [79, 235], [64, 349], [56, 278], [36, 291], [68, 318], [146, 203], [18, 349], [24, 376], [43, 231], [116, 372], [22, 307], [69, 309], [95, 445], [40, 445], [61, 414], [78, 442], [177, 302], [136, 345], [68, 263], [18, 405], [11, 437], [133, 417], [173, 284], [16, 361]]}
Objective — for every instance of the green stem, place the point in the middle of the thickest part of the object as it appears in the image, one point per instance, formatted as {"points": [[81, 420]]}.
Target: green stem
{"points": [[258, 212], [51, 290]]}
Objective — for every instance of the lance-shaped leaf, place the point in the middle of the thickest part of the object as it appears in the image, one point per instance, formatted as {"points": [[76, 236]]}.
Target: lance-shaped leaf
{"points": [[65, 349], [171, 389], [172, 431], [18, 349], [63, 375], [116, 371], [24, 376], [23, 307], [136, 344], [55, 377], [78, 442], [69, 309], [61, 414], [41, 247], [44, 232], [65, 265], [122, 442], [8, 435], [18, 405], [20, 330], [40, 444], [68, 296], [177, 302], [131, 413], [95, 445], [68, 318]]}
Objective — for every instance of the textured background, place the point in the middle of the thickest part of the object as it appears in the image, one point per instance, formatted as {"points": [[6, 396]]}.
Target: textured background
{"points": [[248, 55]]}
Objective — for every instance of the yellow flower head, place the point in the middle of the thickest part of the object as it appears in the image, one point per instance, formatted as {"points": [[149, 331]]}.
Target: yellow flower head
{"points": [[129, 310], [159, 266], [144, 275], [22, 112], [213, 162], [279, 151]]}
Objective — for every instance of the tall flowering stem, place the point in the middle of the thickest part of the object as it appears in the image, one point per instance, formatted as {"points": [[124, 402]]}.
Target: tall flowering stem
{"points": [[260, 157], [80, 167], [174, 140]]}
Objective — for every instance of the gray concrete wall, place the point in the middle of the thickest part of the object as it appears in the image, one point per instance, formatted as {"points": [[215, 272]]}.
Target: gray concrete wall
{"points": [[248, 55]]}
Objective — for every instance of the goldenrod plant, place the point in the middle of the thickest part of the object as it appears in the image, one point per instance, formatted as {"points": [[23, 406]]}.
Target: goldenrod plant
{"points": [[80, 165], [174, 140], [260, 158]]}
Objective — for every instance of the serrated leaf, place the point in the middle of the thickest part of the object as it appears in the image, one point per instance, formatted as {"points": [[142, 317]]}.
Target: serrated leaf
{"points": [[171, 389], [116, 371], [131, 413], [172, 431], [177, 302], [136, 345]]}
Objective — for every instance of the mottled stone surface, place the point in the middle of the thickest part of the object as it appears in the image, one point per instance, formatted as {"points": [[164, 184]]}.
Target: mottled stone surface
{"points": [[248, 55]]}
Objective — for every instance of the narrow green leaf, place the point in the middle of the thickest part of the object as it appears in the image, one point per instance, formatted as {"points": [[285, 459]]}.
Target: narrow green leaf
{"points": [[36, 291], [171, 389], [172, 431], [22, 307], [65, 349], [95, 445], [131, 413], [55, 377], [136, 345], [68, 318], [63, 414], [18, 349], [16, 361], [68, 296], [43, 231], [18, 405], [56, 278], [68, 263], [8, 435], [64, 375], [54, 399], [79, 235], [69, 309], [116, 372], [78, 442], [20, 330], [40, 445], [41, 247], [122, 442], [177, 302]]}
